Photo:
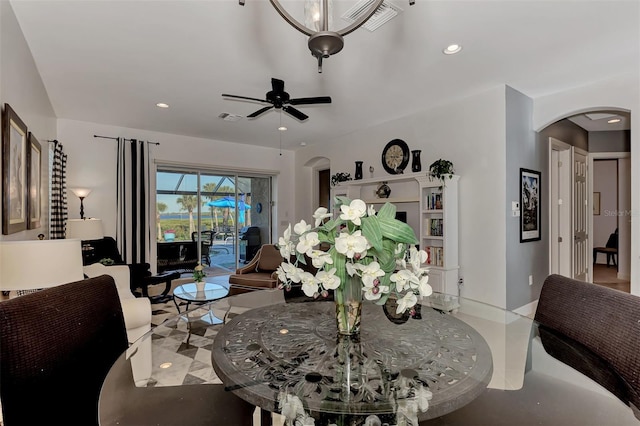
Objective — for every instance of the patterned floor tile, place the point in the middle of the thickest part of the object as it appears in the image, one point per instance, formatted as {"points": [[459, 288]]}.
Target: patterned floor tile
{"points": [[186, 345]]}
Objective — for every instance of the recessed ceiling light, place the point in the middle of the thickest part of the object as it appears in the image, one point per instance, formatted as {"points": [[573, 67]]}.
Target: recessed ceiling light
{"points": [[166, 365], [614, 120], [282, 128], [303, 144], [162, 105], [452, 49]]}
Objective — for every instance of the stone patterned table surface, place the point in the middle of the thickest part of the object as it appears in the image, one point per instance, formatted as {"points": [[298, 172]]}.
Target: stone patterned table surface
{"points": [[289, 357]]}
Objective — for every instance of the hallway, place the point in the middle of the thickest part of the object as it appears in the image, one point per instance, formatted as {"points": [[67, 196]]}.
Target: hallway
{"points": [[608, 278]]}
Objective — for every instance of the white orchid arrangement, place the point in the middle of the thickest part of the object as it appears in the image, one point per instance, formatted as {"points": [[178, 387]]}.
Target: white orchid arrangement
{"points": [[374, 246]]}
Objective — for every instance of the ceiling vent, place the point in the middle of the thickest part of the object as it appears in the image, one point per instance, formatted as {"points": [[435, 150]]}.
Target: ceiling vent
{"points": [[229, 117], [385, 12]]}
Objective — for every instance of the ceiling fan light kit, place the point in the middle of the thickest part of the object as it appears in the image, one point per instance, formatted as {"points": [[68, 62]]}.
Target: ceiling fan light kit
{"points": [[318, 13]]}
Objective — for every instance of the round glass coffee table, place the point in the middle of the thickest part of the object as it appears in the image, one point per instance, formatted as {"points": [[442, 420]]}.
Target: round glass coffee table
{"points": [[208, 292]]}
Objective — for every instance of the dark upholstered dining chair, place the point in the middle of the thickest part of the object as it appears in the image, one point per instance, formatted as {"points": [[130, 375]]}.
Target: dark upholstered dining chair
{"points": [[56, 347], [603, 328]]}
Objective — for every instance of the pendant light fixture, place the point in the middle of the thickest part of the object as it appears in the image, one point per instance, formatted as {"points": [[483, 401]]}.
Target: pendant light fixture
{"points": [[324, 42]]}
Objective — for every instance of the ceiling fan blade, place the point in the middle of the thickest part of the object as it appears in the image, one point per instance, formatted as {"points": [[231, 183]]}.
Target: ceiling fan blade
{"points": [[277, 85], [244, 97], [260, 111], [309, 101], [295, 113]]}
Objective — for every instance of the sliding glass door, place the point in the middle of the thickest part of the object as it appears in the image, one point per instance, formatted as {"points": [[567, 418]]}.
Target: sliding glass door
{"points": [[217, 219]]}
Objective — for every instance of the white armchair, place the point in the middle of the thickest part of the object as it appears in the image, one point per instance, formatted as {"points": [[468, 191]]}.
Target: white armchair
{"points": [[137, 316], [137, 311]]}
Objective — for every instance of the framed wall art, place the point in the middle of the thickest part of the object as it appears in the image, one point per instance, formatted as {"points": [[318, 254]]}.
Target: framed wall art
{"points": [[34, 202], [530, 205], [14, 172]]}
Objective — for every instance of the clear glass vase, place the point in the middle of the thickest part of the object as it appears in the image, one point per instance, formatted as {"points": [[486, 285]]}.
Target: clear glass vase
{"points": [[348, 299]]}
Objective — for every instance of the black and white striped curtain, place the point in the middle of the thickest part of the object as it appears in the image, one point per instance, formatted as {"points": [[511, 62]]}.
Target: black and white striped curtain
{"points": [[58, 210], [133, 232]]}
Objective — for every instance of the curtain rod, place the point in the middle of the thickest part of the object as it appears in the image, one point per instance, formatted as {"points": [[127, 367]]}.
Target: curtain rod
{"points": [[125, 139]]}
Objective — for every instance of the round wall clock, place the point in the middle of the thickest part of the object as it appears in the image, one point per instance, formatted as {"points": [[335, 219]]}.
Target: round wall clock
{"points": [[395, 156]]}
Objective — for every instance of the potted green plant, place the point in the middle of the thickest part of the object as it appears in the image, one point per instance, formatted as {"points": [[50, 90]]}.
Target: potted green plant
{"points": [[441, 170], [340, 177]]}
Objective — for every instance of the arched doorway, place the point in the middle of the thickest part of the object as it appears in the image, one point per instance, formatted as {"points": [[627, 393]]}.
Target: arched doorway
{"points": [[604, 137]]}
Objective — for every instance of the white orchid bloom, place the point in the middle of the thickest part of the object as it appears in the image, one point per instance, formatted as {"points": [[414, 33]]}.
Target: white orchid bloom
{"points": [[309, 284], [399, 249], [374, 293], [424, 288], [286, 250], [417, 258], [301, 227], [328, 279], [407, 412], [402, 278], [423, 395], [320, 214], [354, 211], [371, 211], [372, 420], [284, 243], [319, 258], [292, 273], [282, 275], [370, 273], [290, 407], [406, 302], [307, 242], [350, 244], [352, 268]]}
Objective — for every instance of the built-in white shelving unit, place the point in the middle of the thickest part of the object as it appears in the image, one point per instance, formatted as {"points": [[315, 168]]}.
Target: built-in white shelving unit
{"points": [[436, 207]]}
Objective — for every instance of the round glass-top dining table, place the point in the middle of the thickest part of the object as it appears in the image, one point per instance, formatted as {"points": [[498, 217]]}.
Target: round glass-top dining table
{"points": [[473, 365]]}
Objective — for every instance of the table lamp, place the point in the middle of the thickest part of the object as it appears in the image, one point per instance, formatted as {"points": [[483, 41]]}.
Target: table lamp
{"points": [[81, 193], [84, 229], [36, 264]]}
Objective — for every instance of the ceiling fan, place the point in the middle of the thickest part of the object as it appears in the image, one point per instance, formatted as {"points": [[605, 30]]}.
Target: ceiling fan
{"points": [[279, 99]]}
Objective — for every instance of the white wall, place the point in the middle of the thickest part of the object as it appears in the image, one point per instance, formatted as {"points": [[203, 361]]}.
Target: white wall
{"points": [[92, 164], [620, 92], [22, 88], [470, 133]]}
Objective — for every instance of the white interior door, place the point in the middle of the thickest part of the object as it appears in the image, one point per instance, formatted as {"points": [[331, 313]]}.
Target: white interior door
{"points": [[580, 265], [560, 228]]}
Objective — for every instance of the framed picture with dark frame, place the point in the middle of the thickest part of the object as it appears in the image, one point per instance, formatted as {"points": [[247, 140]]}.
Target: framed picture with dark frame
{"points": [[14, 172], [530, 185], [34, 202]]}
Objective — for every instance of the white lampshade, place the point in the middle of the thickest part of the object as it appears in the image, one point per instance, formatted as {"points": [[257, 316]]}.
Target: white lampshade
{"points": [[84, 229], [81, 192], [33, 264]]}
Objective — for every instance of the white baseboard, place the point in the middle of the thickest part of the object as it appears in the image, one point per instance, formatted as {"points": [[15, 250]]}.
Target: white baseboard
{"points": [[528, 310]]}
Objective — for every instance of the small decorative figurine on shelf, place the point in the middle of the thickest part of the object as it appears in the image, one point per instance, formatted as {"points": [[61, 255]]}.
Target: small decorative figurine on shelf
{"points": [[383, 190], [416, 164], [358, 170]]}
